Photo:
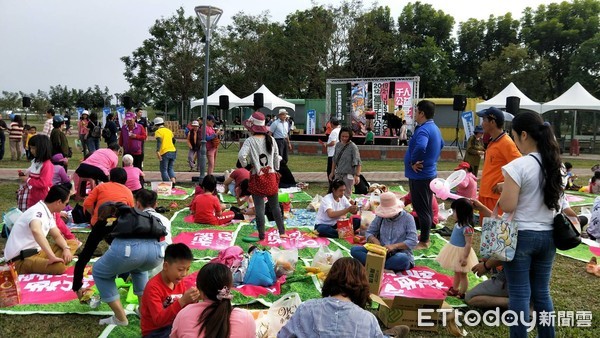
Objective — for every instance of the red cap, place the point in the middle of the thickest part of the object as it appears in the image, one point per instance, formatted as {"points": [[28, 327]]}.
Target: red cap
{"points": [[463, 165]]}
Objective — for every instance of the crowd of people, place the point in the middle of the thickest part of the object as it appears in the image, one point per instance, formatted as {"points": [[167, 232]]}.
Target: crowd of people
{"points": [[522, 176]]}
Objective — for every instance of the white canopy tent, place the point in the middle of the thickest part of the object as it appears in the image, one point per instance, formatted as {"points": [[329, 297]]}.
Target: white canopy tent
{"points": [[574, 98], [270, 100], [499, 101], [213, 100]]}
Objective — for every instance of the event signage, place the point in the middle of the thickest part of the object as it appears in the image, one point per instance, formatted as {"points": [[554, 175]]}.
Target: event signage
{"points": [[47, 289], [359, 97], [296, 239], [418, 282], [206, 239], [311, 120], [340, 97], [468, 123], [380, 106], [403, 97]]}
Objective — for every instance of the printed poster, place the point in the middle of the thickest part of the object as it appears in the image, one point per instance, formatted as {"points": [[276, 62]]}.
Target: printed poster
{"points": [[359, 97], [403, 101], [380, 107]]}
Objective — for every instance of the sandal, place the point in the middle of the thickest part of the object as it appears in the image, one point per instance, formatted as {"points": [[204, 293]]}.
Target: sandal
{"points": [[452, 292]]}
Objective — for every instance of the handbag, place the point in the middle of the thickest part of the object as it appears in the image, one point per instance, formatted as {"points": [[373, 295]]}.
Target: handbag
{"points": [[498, 237], [216, 141], [565, 234], [266, 181], [132, 223]]}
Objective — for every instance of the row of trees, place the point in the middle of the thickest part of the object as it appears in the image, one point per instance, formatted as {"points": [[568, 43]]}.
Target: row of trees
{"points": [[544, 52]]}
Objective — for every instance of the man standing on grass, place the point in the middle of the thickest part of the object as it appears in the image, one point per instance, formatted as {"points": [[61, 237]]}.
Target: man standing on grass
{"points": [[500, 151], [132, 139], [420, 166], [280, 129]]}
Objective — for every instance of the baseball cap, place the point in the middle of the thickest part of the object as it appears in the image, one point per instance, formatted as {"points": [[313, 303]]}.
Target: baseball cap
{"points": [[463, 165], [492, 113]]}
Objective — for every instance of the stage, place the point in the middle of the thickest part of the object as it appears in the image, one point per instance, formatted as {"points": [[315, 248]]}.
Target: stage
{"points": [[359, 140]]}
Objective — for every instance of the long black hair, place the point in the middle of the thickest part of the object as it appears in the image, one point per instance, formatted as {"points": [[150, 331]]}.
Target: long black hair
{"points": [[214, 320], [547, 146], [43, 147], [464, 212]]}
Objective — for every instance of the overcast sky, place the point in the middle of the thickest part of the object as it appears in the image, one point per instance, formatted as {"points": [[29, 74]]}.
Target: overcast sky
{"points": [[79, 43]]}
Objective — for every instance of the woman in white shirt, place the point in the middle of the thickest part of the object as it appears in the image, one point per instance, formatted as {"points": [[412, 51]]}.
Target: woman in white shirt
{"points": [[531, 193], [333, 207]]}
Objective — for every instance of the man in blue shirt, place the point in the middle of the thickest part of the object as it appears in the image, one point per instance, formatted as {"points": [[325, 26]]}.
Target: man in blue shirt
{"points": [[420, 166], [280, 129]]}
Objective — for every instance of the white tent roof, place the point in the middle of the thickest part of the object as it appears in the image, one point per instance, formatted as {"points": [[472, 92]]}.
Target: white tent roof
{"points": [[213, 100], [499, 101], [574, 98], [270, 100]]}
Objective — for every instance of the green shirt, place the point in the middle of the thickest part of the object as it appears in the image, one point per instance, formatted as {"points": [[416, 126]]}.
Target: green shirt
{"points": [[369, 137]]}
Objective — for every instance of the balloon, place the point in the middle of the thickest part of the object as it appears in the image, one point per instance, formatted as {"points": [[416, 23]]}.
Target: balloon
{"points": [[441, 187]]}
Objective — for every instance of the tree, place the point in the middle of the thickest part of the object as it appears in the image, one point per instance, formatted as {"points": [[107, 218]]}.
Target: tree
{"points": [[585, 66], [418, 22], [345, 17], [61, 97], [556, 31], [169, 64], [431, 63], [372, 44]]}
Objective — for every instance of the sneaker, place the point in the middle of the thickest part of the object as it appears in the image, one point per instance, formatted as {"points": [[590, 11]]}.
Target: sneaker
{"points": [[112, 320], [590, 267]]}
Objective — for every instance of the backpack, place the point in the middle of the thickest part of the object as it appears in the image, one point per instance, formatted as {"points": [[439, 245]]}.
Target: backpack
{"points": [[106, 133], [132, 223], [362, 188], [261, 269], [96, 131]]}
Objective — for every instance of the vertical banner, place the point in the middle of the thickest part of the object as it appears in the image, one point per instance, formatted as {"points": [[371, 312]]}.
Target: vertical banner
{"points": [[311, 120], [339, 103], [359, 98], [380, 106], [403, 101], [468, 123], [121, 115], [105, 112], [79, 111]]}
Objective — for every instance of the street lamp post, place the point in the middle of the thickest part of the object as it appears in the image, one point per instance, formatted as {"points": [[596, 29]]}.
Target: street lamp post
{"points": [[208, 16]]}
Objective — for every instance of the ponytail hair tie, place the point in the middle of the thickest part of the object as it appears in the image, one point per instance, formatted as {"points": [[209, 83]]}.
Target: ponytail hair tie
{"points": [[224, 293], [547, 124]]}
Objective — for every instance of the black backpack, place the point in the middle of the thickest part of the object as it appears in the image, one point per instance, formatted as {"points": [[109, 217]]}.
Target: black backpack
{"points": [[132, 223], [106, 133], [96, 131]]}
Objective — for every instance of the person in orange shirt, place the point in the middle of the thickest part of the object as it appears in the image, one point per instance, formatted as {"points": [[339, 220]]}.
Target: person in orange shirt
{"points": [[112, 191], [500, 151]]}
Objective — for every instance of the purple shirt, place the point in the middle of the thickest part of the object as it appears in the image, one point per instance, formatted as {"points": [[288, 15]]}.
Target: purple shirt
{"points": [[60, 175]]}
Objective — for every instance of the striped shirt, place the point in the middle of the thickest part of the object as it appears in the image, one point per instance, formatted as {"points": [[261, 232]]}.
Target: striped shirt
{"points": [[16, 132]]}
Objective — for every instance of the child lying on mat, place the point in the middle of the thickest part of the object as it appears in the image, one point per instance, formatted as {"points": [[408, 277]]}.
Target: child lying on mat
{"points": [[206, 207]]}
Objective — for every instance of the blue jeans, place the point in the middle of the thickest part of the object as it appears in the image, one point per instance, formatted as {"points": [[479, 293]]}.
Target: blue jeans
{"points": [[93, 144], [166, 166], [400, 261], [327, 230], [133, 255], [528, 277]]}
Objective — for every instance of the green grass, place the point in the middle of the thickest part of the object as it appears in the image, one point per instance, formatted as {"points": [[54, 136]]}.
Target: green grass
{"points": [[572, 290]]}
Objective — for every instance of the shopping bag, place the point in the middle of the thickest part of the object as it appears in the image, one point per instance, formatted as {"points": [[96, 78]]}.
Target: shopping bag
{"points": [[315, 203], [498, 237], [10, 293], [281, 311], [285, 260], [344, 228], [325, 257]]}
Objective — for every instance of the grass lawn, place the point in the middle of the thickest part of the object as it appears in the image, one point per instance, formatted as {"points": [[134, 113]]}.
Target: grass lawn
{"points": [[572, 290]]}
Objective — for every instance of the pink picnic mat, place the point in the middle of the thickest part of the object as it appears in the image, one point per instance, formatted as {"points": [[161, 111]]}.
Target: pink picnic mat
{"points": [[190, 219], [246, 290], [206, 239], [418, 282], [49, 289], [297, 239]]}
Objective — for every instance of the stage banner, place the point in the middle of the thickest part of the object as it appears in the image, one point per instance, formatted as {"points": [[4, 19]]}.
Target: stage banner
{"points": [[339, 102], [359, 98], [403, 95], [380, 107], [311, 120], [468, 123]]}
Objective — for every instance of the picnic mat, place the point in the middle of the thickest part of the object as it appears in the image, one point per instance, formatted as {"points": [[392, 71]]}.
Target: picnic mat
{"points": [[578, 199], [296, 197], [177, 194]]}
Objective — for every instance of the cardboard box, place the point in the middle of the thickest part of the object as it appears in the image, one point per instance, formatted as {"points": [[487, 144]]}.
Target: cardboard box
{"points": [[405, 311], [374, 266]]}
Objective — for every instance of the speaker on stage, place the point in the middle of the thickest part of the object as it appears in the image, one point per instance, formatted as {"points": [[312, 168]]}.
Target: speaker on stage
{"points": [[127, 102], [224, 102], [259, 100], [512, 104], [460, 102], [26, 102]]}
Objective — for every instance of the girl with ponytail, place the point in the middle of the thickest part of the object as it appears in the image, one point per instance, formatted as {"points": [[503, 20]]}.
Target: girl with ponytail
{"points": [[214, 317], [532, 193]]}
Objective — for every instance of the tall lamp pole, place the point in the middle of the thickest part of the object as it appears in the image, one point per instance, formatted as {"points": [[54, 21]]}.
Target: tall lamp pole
{"points": [[208, 16]]}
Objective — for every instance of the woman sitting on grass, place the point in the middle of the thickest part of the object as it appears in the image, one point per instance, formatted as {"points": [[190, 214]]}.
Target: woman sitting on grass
{"points": [[135, 177], [206, 207]]}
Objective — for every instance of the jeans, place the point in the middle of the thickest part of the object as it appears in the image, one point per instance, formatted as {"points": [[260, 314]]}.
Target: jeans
{"points": [[133, 255], [528, 277], [93, 144], [259, 208], [166, 166], [400, 261], [192, 158], [327, 230], [421, 196], [2, 140]]}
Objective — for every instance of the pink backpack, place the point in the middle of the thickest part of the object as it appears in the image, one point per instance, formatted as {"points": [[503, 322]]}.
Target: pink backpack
{"points": [[232, 257]]}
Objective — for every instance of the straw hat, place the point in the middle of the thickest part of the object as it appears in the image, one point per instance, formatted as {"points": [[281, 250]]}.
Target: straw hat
{"points": [[389, 206]]}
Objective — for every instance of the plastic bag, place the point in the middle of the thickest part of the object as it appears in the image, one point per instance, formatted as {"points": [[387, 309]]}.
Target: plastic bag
{"points": [[285, 260], [11, 216], [315, 203], [78, 145], [345, 228], [325, 257], [281, 311]]}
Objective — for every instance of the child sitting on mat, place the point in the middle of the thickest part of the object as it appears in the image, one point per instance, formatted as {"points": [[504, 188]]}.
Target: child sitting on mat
{"points": [[206, 207]]}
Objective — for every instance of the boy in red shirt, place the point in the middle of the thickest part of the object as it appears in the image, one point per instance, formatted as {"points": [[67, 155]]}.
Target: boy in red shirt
{"points": [[165, 294], [206, 207]]}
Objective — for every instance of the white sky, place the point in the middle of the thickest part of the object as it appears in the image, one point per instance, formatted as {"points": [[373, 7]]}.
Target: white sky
{"points": [[79, 43]]}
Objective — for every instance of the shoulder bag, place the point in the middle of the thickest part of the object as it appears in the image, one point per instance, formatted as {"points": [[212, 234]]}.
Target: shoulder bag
{"points": [[266, 181]]}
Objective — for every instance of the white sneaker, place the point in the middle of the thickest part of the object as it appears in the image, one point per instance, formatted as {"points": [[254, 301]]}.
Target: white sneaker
{"points": [[226, 174]]}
